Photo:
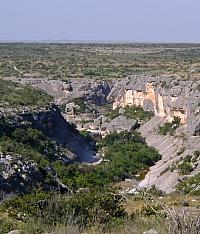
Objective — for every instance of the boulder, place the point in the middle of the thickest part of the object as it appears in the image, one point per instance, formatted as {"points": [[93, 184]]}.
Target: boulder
{"points": [[175, 91], [121, 123]]}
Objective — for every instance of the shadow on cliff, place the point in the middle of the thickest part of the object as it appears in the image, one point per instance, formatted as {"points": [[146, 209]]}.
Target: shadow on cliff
{"points": [[52, 124]]}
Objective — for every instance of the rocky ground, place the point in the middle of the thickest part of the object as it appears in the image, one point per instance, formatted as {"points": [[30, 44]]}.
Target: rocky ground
{"points": [[168, 146]]}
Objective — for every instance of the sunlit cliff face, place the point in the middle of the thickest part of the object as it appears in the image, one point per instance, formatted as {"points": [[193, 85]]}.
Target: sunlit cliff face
{"points": [[154, 101]]}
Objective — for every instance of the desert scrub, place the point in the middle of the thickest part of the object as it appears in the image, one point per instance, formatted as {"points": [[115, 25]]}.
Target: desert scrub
{"points": [[52, 209], [104, 61], [170, 127], [16, 95]]}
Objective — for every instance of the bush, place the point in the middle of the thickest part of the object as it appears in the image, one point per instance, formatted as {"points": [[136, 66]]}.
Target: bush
{"points": [[81, 105], [133, 112], [170, 127], [190, 185], [7, 225], [85, 209]]}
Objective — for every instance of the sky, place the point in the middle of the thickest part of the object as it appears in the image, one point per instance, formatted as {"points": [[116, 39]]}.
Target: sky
{"points": [[100, 20]]}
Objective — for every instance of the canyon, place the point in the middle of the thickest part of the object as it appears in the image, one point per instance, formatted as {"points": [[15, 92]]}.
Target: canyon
{"points": [[164, 96], [167, 98]]}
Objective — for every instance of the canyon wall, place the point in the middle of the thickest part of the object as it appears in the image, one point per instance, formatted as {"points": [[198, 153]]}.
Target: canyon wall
{"points": [[167, 97], [91, 90]]}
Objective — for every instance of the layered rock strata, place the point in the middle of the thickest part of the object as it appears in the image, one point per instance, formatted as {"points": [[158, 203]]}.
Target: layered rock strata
{"points": [[165, 96]]}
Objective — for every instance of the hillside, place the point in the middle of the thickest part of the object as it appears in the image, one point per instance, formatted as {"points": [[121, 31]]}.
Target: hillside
{"points": [[33, 137], [14, 95]]}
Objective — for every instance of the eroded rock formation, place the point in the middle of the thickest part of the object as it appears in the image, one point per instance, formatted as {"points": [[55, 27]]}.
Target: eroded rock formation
{"points": [[165, 96], [93, 91]]}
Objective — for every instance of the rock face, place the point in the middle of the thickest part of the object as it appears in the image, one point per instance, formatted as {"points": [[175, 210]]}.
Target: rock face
{"points": [[160, 174], [165, 96], [52, 123], [18, 174], [93, 91], [119, 124], [165, 175]]}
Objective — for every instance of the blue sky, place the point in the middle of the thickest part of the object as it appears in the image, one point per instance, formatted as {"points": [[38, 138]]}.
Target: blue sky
{"points": [[102, 20]]}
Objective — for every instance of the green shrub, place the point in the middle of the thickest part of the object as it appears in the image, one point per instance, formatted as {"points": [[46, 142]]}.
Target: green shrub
{"points": [[7, 225], [85, 209], [190, 185], [81, 105], [170, 127], [185, 167], [133, 112]]}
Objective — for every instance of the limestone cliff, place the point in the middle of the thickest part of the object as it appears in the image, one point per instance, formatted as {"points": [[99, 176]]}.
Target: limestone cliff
{"points": [[165, 96], [93, 91]]}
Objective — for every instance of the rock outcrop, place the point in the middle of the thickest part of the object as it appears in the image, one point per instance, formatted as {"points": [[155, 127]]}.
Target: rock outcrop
{"points": [[93, 91], [165, 96], [119, 124], [160, 174], [52, 123]]}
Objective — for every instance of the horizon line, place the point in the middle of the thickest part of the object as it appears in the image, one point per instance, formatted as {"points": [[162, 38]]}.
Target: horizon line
{"points": [[94, 42]]}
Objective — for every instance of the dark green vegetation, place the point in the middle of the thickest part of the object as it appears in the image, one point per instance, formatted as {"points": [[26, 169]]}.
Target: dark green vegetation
{"points": [[186, 166], [98, 204], [126, 155], [61, 61], [190, 185], [31, 144], [170, 127], [82, 209], [133, 112], [81, 105], [14, 95]]}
